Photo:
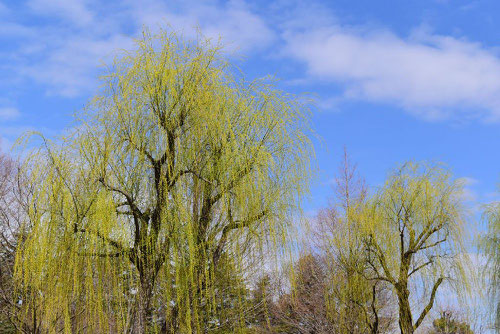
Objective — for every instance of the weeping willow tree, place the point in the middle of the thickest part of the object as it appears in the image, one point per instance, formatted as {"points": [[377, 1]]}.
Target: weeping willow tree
{"points": [[413, 237], [491, 247], [146, 216]]}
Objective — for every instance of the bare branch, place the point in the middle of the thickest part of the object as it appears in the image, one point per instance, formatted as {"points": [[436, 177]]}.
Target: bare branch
{"points": [[430, 304]]}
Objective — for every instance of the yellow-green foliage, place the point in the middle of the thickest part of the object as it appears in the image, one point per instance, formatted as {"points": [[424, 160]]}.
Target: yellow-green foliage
{"points": [[491, 247], [175, 175], [413, 228], [419, 210]]}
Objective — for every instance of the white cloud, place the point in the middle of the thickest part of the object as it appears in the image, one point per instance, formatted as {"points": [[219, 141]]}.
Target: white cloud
{"points": [[329, 104], [9, 134], [3, 9], [15, 131], [468, 193], [238, 26], [72, 68], [434, 76], [5, 145], [468, 181], [9, 113], [15, 30], [74, 11], [65, 52]]}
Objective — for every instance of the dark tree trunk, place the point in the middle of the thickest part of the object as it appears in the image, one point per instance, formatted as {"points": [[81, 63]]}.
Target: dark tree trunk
{"points": [[405, 316], [144, 305]]}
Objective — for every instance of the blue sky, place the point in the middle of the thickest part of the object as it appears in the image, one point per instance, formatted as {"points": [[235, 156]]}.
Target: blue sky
{"points": [[393, 80]]}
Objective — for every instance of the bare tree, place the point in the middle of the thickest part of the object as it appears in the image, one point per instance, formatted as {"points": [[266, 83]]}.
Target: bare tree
{"points": [[358, 305], [14, 195], [299, 305], [7, 243]]}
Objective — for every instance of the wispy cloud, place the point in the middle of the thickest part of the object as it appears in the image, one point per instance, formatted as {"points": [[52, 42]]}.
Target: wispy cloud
{"points": [[72, 68], [468, 192], [3, 9], [9, 113], [74, 11], [434, 76], [63, 51], [329, 104], [8, 135], [5, 145], [234, 21]]}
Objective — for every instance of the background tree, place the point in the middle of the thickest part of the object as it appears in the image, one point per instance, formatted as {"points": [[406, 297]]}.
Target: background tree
{"points": [[176, 174], [448, 324], [14, 195], [293, 301], [413, 228], [304, 310], [491, 247], [8, 241], [356, 305]]}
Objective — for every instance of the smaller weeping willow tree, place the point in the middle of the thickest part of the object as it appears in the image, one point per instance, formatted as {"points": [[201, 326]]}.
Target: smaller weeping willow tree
{"points": [[146, 217], [491, 248], [412, 233]]}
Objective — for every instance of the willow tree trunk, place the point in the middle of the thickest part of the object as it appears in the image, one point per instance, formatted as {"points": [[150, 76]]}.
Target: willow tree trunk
{"points": [[405, 317], [144, 304]]}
